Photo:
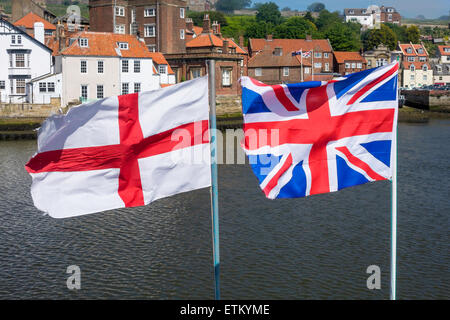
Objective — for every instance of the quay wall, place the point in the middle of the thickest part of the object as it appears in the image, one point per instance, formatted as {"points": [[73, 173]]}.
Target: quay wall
{"points": [[428, 99]]}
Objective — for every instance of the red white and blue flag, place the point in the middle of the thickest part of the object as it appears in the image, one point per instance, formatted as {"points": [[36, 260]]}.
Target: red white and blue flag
{"points": [[306, 54], [317, 137]]}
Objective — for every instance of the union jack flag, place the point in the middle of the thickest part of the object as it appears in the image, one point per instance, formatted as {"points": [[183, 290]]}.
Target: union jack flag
{"points": [[317, 137], [306, 54]]}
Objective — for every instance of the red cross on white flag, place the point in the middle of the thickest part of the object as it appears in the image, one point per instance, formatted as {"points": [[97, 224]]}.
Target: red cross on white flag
{"points": [[123, 151]]}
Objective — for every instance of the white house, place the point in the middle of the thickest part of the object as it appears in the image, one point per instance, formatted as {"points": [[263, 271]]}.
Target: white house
{"points": [[362, 16], [43, 89], [415, 66], [22, 58], [98, 64]]}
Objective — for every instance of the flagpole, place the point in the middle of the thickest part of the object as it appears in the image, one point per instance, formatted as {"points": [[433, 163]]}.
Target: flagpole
{"points": [[214, 177], [301, 62], [312, 65], [394, 209]]}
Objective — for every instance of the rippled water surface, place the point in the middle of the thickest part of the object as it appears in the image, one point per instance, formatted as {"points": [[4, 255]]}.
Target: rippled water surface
{"points": [[310, 248]]}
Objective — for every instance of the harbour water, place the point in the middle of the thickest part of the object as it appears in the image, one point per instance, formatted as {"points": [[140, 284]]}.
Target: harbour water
{"points": [[310, 248]]}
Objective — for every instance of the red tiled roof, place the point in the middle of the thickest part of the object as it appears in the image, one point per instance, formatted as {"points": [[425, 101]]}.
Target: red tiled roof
{"points": [[105, 44], [417, 64], [211, 40], [164, 85], [290, 45], [414, 52], [28, 22], [266, 58], [158, 58], [342, 56], [442, 52], [197, 30]]}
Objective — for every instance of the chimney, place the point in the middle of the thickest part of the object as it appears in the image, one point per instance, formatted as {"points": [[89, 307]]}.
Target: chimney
{"points": [[206, 24], [61, 38], [308, 37], [39, 33], [241, 42], [216, 28], [269, 37], [189, 24], [225, 46]]}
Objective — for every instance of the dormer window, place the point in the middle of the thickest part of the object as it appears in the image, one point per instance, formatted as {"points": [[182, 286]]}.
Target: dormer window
{"points": [[412, 68], [351, 11], [420, 51], [447, 49], [425, 67], [162, 69], [409, 50], [278, 52], [123, 45], [364, 11], [83, 42]]}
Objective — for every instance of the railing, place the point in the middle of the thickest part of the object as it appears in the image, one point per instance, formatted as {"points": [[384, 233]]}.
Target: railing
{"points": [[19, 71]]}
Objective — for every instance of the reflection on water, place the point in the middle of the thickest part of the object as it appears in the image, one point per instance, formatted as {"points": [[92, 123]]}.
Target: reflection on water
{"points": [[310, 248]]}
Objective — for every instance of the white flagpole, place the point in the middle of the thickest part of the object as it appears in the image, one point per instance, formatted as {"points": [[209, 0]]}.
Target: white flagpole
{"points": [[301, 62], [394, 208], [312, 64], [214, 176]]}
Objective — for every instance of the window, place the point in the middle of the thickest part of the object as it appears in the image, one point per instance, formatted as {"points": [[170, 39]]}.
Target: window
{"points": [[120, 11], [424, 77], [124, 88], [181, 34], [425, 67], [317, 54], [137, 66], [412, 68], [422, 59], [149, 30], [317, 65], [390, 17], [133, 15], [2, 84], [42, 87], [409, 50], [100, 66], [11, 85], [307, 70], [196, 73], [13, 39], [11, 60], [50, 86], [411, 59], [325, 55], [182, 13], [327, 66], [447, 49], [162, 69], [438, 68], [420, 51], [100, 94], [124, 66], [412, 77], [84, 92], [285, 71], [258, 72], [20, 86], [151, 48], [123, 45], [353, 65], [347, 65], [149, 12], [83, 42], [120, 28], [369, 63], [137, 87], [19, 39], [83, 66], [359, 65], [226, 77], [20, 60]]}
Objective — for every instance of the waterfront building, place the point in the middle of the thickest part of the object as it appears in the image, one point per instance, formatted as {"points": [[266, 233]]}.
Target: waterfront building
{"points": [[367, 17], [96, 65], [231, 58], [271, 60], [161, 23], [22, 58], [441, 67], [414, 66], [348, 62]]}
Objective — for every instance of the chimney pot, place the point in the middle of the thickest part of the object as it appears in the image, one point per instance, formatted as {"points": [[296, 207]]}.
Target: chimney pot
{"points": [[206, 24]]}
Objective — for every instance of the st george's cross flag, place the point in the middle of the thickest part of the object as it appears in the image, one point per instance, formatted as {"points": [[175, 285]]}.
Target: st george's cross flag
{"points": [[317, 137], [123, 151]]}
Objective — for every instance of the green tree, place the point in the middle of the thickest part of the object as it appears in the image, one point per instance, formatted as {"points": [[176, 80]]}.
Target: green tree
{"points": [[258, 29], [269, 13], [231, 5], [343, 37], [400, 32], [413, 34], [295, 28], [327, 19], [316, 7], [237, 26], [197, 17], [384, 35], [308, 16]]}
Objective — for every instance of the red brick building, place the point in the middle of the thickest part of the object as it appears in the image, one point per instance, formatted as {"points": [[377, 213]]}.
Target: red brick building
{"points": [[271, 60], [390, 15], [161, 23], [348, 62], [209, 44]]}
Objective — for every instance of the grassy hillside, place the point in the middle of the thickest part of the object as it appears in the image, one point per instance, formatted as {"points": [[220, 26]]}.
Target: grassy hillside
{"points": [[57, 9]]}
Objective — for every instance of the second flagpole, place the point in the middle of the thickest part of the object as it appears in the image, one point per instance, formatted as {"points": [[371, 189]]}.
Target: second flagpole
{"points": [[214, 176]]}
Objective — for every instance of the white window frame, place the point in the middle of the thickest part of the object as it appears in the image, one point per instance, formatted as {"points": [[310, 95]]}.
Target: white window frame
{"points": [[285, 71], [327, 66], [87, 91], [21, 81], [353, 65], [359, 65], [162, 69], [182, 13], [50, 87], [317, 55], [182, 34], [16, 60], [83, 66], [227, 80], [100, 66], [13, 39], [137, 87], [2, 84], [84, 42], [123, 86], [412, 67], [317, 65], [102, 91], [258, 72], [137, 66], [120, 11], [147, 34], [149, 12], [325, 54], [125, 66], [306, 70], [122, 45], [120, 29], [42, 87]]}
